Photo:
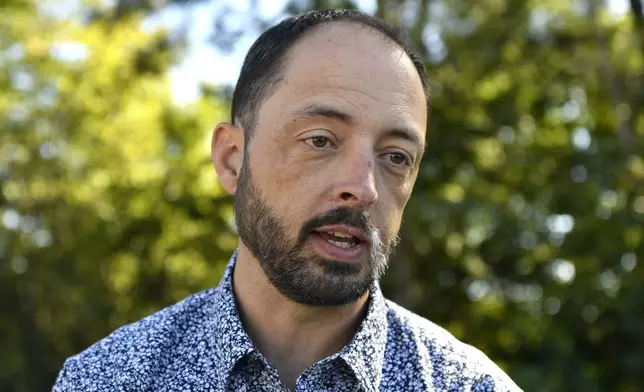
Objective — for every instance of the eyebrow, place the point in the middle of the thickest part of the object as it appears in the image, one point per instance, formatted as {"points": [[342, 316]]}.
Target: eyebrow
{"points": [[407, 134], [319, 110]]}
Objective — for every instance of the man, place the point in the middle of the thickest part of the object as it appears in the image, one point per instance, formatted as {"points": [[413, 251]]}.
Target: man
{"points": [[328, 129]]}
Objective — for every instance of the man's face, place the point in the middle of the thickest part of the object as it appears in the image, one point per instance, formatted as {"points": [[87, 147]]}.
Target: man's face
{"points": [[331, 164]]}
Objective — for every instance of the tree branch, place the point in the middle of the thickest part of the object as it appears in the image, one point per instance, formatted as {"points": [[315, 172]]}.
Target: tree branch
{"points": [[638, 13], [609, 77]]}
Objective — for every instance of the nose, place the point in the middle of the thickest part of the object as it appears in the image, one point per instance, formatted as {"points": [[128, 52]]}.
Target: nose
{"points": [[355, 184]]}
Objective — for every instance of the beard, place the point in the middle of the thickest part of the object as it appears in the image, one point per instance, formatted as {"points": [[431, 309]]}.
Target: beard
{"points": [[299, 274]]}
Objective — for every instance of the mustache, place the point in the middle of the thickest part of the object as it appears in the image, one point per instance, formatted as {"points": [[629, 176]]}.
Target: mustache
{"points": [[341, 215]]}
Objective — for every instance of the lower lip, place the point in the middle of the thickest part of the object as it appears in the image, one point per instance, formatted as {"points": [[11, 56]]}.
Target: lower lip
{"points": [[330, 251]]}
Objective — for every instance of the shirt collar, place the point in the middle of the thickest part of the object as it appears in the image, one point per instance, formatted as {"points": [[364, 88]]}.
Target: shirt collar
{"points": [[366, 351], [364, 354], [231, 342]]}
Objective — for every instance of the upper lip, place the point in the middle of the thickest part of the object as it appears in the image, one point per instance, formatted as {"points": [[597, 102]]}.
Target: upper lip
{"points": [[354, 231]]}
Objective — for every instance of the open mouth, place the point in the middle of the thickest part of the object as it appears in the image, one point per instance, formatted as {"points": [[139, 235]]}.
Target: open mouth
{"points": [[339, 239], [340, 242]]}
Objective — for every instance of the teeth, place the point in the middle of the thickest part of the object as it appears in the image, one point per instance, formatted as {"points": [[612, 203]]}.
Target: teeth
{"points": [[339, 244], [339, 234]]}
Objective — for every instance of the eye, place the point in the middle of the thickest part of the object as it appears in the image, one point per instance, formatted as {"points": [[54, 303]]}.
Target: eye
{"points": [[318, 141], [398, 158]]}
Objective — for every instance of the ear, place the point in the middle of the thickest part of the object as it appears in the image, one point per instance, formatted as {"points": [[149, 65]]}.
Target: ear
{"points": [[227, 154]]}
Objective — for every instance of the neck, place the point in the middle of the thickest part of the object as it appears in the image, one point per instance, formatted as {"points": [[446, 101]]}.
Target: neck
{"points": [[290, 335]]}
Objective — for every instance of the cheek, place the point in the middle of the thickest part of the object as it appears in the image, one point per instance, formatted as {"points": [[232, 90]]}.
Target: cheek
{"points": [[392, 207], [393, 220], [298, 180], [288, 188]]}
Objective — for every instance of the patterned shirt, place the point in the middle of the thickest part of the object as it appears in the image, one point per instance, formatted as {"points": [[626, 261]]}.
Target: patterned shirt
{"points": [[199, 344]]}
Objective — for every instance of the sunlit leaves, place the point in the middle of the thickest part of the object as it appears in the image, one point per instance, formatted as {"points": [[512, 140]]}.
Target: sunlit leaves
{"points": [[526, 100], [110, 206], [524, 235]]}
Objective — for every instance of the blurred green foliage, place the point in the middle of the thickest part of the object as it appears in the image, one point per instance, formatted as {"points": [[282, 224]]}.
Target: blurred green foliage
{"points": [[524, 236]]}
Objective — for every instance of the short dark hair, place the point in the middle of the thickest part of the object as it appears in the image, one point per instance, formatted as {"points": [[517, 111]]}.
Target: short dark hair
{"points": [[264, 63]]}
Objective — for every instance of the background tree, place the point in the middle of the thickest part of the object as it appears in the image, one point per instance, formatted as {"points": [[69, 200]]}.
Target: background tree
{"points": [[110, 208], [524, 235]]}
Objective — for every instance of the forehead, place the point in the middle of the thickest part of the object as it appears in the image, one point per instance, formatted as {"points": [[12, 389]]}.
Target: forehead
{"points": [[352, 67]]}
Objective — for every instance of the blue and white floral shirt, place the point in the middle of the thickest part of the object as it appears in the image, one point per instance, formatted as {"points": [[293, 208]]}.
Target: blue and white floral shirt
{"points": [[199, 344]]}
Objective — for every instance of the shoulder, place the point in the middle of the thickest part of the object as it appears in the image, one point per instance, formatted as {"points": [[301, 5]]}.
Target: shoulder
{"points": [[130, 355], [448, 359]]}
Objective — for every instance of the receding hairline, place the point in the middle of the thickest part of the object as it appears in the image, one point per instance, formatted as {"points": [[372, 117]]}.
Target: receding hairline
{"points": [[254, 86], [274, 81], [353, 24], [350, 23]]}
